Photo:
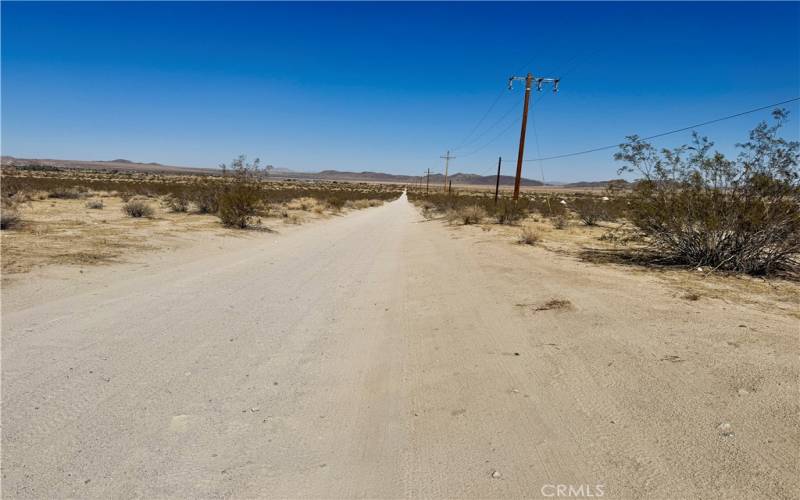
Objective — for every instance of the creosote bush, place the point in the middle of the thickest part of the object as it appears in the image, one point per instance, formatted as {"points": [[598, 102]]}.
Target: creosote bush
{"points": [[697, 207], [508, 212], [95, 204], [590, 209], [137, 208], [239, 201]]}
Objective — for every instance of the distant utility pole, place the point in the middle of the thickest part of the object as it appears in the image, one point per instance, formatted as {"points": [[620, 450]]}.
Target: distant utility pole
{"points": [[447, 159], [497, 184], [427, 181], [529, 79]]}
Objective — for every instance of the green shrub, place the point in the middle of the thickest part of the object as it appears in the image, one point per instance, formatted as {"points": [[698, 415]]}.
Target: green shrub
{"points": [[238, 200], [698, 208], [508, 212], [590, 209], [238, 205]]}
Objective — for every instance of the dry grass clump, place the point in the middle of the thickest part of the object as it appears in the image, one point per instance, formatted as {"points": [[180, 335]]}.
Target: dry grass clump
{"points": [[554, 304], [137, 208], [358, 204], [528, 235], [294, 219], [177, 202], [95, 204], [335, 203], [9, 218], [559, 221], [471, 214]]}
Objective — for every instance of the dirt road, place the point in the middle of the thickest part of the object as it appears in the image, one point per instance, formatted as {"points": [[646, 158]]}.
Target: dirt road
{"points": [[382, 355]]}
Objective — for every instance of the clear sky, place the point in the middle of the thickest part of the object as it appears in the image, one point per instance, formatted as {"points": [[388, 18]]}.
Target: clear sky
{"points": [[384, 86]]}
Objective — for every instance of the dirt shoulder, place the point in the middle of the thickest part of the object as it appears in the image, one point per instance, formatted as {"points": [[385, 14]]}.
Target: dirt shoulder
{"points": [[66, 232], [384, 355]]}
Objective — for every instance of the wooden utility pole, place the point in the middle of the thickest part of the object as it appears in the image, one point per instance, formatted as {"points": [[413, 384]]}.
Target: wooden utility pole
{"points": [[427, 181], [497, 184], [529, 79], [447, 159]]}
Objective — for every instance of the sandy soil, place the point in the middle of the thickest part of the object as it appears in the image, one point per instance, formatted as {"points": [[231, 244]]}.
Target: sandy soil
{"points": [[383, 355], [66, 231]]}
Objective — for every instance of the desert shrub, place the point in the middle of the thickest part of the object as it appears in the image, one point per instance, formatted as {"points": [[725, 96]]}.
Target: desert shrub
{"points": [[699, 208], [559, 221], [471, 214], [508, 212], [9, 216], [335, 203], [67, 193], [240, 199], [95, 204], [528, 235], [137, 208], [590, 209], [238, 205], [357, 204], [178, 202], [205, 197], [293, 219]]}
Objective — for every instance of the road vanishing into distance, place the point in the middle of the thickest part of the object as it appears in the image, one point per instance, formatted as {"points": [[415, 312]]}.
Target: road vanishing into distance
{"points": [[382, 355]]}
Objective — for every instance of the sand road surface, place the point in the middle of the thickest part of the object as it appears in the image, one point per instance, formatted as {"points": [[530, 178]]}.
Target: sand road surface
{"points": [[380, 355]]}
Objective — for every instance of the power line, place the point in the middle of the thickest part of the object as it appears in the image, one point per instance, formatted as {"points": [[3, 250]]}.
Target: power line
{"points": [[493, 139], [536, 101], [662, 134], [477, 125]]}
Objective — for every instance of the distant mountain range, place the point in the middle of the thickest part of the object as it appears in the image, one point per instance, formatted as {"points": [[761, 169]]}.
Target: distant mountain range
{"points": [[123, 165]]}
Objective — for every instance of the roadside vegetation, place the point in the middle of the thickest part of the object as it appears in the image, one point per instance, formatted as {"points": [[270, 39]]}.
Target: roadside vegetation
{"points": [[689, 206], [239, 196], [80, 217]]}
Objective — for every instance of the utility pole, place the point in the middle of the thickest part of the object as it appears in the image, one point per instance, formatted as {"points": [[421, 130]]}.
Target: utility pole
{"points": [[450, 187], [427, 181], [529, 79], [497, 184], [447, 159]]}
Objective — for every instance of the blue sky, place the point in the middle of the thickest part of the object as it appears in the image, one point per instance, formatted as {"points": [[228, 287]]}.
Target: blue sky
{"points": [[384, 86]]}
